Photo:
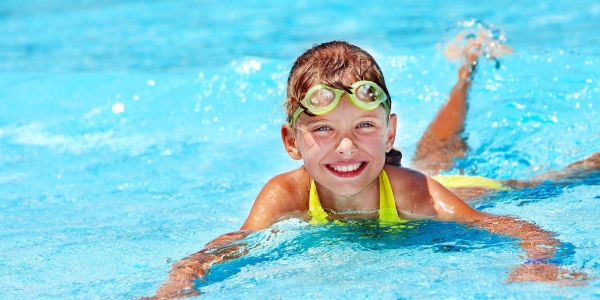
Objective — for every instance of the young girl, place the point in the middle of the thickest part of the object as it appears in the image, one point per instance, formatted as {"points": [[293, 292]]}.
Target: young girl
{"points": [[339, 123]]}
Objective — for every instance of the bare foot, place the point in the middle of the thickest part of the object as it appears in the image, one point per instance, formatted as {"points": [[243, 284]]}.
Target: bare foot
{"points": [[471, 54], [469, 45], [483, 39]]}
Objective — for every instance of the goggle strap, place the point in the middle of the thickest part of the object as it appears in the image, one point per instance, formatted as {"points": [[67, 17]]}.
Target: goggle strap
{"points": [[296, 115]]}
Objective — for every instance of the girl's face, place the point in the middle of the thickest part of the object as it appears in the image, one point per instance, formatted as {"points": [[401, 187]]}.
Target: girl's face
{"points": [[344, 150]]}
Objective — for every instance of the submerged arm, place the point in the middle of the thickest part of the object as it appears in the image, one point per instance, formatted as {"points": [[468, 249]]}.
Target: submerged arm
{"points": [[539, 245], [274, 200], [540, 249]]}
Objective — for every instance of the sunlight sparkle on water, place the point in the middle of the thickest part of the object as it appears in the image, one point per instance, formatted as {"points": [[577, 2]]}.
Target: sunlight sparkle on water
{"points": [[118, 108]]}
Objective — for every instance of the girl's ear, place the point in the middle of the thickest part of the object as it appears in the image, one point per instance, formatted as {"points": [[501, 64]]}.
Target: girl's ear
{"points": [[391, 133], [289, 142]]}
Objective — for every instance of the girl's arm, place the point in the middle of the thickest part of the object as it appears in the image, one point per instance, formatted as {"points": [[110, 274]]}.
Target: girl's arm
{"points": [[187, 270], [278, 197], [539, 245]]}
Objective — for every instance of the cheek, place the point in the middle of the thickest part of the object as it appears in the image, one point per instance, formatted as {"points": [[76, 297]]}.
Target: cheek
{"points": [[376, 139], [377, 148], [309, 148], [306, 140], [316, 142]]}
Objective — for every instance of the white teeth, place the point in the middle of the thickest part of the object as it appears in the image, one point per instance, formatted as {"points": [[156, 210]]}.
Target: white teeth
{"points": [[347, 168]]}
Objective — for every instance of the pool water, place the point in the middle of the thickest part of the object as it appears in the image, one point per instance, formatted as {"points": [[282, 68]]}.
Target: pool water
{"points": [[131, 134]]}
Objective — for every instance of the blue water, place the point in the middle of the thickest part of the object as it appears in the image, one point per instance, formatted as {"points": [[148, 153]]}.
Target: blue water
{"points": [[131, 134]]}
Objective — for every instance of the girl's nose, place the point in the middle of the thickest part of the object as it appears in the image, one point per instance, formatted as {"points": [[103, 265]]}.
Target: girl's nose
{"points": [[346, 146]]}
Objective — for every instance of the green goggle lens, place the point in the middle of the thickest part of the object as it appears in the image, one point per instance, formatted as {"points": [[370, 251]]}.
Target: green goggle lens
{"points": [[321, 99]]}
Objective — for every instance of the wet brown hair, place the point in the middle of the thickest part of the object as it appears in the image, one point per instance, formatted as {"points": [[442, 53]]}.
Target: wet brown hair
{"points": [[337, 64]]}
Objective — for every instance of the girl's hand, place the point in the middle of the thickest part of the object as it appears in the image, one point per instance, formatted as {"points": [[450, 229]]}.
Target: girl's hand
{"points": [[545, 272], [196, 266]]}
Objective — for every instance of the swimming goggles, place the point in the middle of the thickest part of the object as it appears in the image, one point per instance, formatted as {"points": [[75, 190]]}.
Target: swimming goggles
{"points": [[321, 99]]}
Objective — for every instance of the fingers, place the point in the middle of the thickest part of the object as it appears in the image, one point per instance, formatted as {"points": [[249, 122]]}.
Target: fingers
{"points": [[546, 272]]}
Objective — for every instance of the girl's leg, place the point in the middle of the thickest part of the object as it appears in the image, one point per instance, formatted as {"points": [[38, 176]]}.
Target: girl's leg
{"points": [[569, 174], [442, 141], [574, 171]]}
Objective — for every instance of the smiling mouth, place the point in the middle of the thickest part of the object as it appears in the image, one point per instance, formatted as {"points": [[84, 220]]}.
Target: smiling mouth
{"points": [[347, 170]]}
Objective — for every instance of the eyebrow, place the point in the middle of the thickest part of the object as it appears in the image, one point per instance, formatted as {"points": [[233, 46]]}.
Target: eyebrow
{"points": [[368, 116], [363, 116], [315, 120]]}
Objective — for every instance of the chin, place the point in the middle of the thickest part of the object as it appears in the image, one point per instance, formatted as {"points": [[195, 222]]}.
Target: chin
{"points": [[348, 191]]}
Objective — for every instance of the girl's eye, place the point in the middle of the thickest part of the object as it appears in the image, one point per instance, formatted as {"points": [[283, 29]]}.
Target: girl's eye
{"points": [[364, 125], [322, 128]]}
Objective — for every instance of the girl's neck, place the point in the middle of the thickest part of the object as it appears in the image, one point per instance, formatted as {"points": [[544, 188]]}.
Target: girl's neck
{"points": [[364, 201]]}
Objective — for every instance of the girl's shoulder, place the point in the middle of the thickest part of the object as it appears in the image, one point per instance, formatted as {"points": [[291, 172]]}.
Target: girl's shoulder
{"points": [[294, 184], [401, 176], [289, 189], [411, 190], [284, 194]]}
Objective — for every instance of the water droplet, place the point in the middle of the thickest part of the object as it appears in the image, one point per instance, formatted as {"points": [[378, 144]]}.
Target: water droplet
{"points": [[118, 108]]}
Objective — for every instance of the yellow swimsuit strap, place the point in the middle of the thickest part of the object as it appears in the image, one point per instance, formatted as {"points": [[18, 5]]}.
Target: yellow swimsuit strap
{"points": [[387, 204], [319, 216]]}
